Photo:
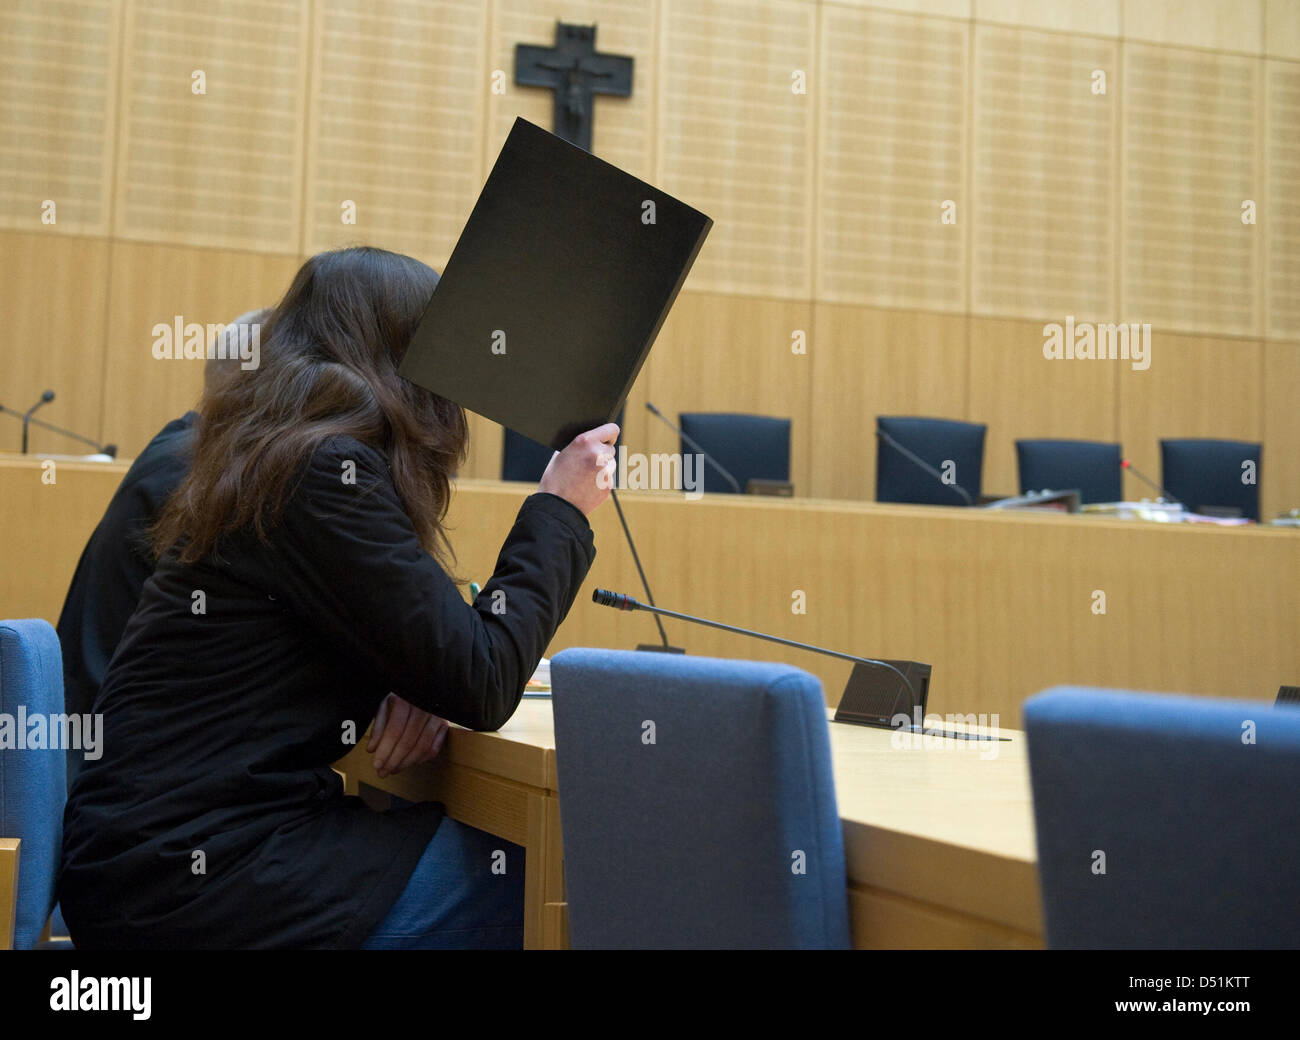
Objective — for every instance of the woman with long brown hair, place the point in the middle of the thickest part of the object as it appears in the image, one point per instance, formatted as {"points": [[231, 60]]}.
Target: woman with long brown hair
{"points": [[302, 579]]}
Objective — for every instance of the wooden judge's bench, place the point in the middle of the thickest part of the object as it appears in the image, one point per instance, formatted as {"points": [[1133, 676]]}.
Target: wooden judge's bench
{"points": [[1001, 604]]}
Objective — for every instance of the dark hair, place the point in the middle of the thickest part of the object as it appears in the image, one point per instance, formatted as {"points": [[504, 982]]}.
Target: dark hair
{"points": [[329, 358]]}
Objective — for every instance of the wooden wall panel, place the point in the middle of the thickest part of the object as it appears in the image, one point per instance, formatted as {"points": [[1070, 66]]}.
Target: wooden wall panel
{"points": [[1195, 387], [946, 8], [1019, 393], [736, 141], [154, 284], [1279, 485], [1281, 218], [58, 102], [1228, 25], [1044, 169], [53, 337], [223, 168], [869, 362], [1096, 17], [623, 132], [396, 124], [1190, 158], [891, 139], [1282, 29], [687, 372], [486, 439]]}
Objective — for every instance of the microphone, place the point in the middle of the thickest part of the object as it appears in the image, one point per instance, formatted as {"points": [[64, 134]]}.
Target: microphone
{"points": [[46, 398], [735, 485], [916, 460], [622, 601], [110, 450], [1126, 464], [627, 533]]}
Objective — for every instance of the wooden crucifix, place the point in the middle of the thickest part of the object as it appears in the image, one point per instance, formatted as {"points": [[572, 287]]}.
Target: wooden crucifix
{"points": [[576, 73]]}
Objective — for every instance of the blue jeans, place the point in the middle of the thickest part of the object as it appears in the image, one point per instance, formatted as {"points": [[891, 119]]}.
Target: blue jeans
{"points": [[466, 893]]}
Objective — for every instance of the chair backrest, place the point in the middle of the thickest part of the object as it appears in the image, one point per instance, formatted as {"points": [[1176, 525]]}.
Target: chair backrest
{"points": [[697, 803], [522, 458], [1187, 804], [938, 442], [1200, 472], [33, 784], [1091, 466], [746, 446]]}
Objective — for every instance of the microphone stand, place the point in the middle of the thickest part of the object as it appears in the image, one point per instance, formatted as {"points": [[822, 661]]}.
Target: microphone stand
{"points": [[627, 533], [620, 601], [109, 449]]}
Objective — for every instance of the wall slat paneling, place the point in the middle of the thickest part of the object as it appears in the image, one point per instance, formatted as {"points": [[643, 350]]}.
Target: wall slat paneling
{"points": [[1279, 484], [58, 90], [1018, 393], [154, 284], [1228, 25], [891, 141], [1281, 217], [688, 372], [874, 361], [53, 336], [1191, 121], [1044, 174], [1196, 386], [736, 142], [223, 168], [1119, 207], [395, 124]]}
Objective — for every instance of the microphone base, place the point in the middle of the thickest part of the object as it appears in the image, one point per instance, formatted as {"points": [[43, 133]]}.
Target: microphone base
{"points": [[660, 648], [876, 697]]}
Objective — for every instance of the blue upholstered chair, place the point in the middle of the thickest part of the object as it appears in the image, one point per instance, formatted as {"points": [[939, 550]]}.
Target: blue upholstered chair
{"points": [[1200, 472], [522, 458], [698, 806], [1093, 467], [33, 785], [937, 441], [1191, 801], [749, 447]]}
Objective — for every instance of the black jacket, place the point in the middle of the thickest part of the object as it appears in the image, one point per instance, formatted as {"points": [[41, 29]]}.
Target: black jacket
{"points": [[213, 818], [114, 567]]}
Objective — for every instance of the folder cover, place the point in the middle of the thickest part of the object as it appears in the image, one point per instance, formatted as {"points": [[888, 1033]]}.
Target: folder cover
{"points": [[555, 291]]}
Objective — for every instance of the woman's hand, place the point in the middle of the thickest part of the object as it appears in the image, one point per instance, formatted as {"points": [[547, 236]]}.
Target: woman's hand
{"points": [[583, 472], [404, 736]]}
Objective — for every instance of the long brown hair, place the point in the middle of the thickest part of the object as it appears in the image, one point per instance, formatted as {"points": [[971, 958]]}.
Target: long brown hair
{"points": [[329, 357]]}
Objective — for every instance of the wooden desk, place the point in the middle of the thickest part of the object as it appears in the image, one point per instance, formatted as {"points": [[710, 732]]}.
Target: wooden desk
{"points": [[939, 839]]}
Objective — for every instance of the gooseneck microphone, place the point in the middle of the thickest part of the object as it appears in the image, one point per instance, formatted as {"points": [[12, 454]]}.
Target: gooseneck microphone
{"points": [[735, 484], [916, 460], [26, 417], [1126, 464], [627, 533], [46, 398], [621, 601]]}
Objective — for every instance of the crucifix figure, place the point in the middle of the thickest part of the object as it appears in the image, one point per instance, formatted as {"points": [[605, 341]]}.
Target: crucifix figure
{"points": [[576, 73]]}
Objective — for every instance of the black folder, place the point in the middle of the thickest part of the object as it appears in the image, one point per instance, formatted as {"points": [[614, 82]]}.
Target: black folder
{"points": [[555, 291]]}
